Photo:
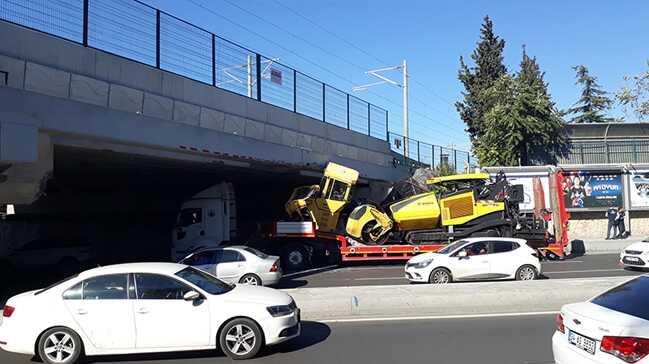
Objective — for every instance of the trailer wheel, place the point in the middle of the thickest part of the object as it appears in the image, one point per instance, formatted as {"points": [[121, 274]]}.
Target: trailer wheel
{"points": [[295, 257]]}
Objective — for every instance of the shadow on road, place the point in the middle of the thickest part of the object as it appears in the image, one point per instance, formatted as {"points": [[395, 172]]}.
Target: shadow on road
{"points": [[312, 333]]}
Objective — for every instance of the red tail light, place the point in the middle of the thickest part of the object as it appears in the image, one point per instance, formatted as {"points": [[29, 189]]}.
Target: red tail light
{"points": [[558, 319], [275, 266], [629, 349], [8, 311]]}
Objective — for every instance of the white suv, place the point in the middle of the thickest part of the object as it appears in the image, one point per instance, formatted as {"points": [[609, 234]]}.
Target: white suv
{"points": [[476, 259]]}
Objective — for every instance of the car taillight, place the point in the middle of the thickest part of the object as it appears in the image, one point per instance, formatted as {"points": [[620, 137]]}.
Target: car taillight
{"points": [[275, 266], [558, 319], [8, 311], [629, 349]]}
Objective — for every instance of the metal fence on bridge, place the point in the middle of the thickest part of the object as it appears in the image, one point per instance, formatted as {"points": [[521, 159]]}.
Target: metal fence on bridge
{"points": [[139, 32], [430, 155], [600, 152]]}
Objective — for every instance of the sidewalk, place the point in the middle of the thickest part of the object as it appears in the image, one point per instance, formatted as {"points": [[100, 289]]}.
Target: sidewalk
{"points": [[602, 246]]}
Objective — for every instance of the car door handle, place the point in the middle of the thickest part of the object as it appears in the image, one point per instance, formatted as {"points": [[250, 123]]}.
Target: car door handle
{"points": [[81, 311], [142, 310]]}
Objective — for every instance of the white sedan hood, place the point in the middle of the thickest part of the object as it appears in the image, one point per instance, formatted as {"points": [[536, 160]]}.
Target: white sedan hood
{"points": [[639, 246], [425, 256]]}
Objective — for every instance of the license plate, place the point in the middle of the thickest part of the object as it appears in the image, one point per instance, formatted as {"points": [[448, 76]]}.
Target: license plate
{"points": [[633, 259], [582, 342]]}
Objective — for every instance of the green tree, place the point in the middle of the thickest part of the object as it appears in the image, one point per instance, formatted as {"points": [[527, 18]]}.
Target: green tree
{"points": [[636, 96], [489, 67], [522, 125], [593, 100]]}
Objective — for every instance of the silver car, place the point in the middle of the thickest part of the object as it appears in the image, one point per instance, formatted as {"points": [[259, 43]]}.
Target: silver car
{"points": [[237, 264]]}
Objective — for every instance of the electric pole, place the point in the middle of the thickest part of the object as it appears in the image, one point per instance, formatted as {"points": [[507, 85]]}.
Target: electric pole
{"points": [[404, 87]]}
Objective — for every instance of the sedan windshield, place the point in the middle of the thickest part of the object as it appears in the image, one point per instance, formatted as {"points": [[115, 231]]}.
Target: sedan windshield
{"points": [[451, 247], [205, 281]]}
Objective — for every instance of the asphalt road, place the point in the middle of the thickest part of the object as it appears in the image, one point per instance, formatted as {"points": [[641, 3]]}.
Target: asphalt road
{"points": [[586, 266], [496, 340]]}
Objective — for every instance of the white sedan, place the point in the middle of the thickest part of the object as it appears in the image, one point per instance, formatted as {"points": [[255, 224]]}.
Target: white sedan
{"points": [[145, 307], [612, 328], [476, 259], [636, 255], [237, 264]]}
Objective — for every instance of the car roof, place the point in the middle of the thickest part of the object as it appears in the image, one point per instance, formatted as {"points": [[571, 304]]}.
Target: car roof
{"points": [[221, 247], [473, 240], [158, 267]]}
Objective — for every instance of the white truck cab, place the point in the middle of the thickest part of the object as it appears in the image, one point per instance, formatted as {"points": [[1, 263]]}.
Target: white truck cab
{"points": [[205, 220]]}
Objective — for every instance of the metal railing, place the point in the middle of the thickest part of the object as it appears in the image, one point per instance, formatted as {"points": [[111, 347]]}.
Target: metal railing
{"points": [[600, 152], [422, 154], [139, 32]]}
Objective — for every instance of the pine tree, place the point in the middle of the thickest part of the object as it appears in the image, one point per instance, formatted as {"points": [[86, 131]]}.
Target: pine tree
{"points": [[489, 67], [593, 99]]}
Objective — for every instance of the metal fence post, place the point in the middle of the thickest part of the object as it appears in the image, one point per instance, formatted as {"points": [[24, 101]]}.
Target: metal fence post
{"points": [[635, 153], [468, 162], [213, 60], [294, 90], [418, 155], [324, 103], [433, 157], [455, 159], [608, 153], [258, 66], [348, 112], [387, 132], [85, 23], [157, 38], [368, 120]]}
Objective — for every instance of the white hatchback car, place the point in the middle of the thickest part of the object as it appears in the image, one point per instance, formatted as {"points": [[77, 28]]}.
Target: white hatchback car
{"points": [[237, 264], [612, 328], [146, 307], [476, 259], [636, 255]]}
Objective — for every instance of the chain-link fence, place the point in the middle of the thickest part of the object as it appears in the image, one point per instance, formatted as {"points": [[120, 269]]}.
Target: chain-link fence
{"points": [[600, 152], [139, 32]]}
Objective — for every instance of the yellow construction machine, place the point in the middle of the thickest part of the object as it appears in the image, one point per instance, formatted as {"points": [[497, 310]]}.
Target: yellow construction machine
{"points": [[442, 209]]}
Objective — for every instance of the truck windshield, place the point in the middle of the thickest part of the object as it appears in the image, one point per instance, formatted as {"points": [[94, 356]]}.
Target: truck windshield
{"points": [[451, 247], [302, 193], [205, 281], [188, 217]]}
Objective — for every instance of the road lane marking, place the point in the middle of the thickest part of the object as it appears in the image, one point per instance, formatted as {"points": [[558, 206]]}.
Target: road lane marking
{"points": [[314, 270], [585, 271], [438, 317], [378, 278], [563, 262]]}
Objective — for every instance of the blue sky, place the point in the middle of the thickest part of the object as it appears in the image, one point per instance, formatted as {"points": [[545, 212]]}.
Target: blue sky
{"points": [[609, 37]]}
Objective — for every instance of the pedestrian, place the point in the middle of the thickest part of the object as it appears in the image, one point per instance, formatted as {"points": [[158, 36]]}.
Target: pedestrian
{"points": [[621, 229], [611, 215]]}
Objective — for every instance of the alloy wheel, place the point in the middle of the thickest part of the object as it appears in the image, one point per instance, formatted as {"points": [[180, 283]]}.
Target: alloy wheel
{"points": [[240, 339], [526, 274], [59, 346], [440, 277], [251, 280]]}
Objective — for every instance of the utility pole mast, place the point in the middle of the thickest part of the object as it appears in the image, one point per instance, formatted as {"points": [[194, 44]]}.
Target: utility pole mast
{"points": [[404, 86]]}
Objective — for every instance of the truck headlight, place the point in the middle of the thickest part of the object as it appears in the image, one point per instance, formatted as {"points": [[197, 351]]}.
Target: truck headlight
{"points": [[423, 263], [278, 311]]}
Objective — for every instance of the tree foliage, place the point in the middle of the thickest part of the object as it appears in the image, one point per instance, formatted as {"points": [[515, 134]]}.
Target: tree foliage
{"points": [[511, 119], [489, 67], [636, 95], [593, 101]]}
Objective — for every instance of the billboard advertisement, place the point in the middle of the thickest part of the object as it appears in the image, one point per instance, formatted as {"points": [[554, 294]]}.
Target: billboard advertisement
{"points": [[639, 189], [528, 190], [597, 190]]}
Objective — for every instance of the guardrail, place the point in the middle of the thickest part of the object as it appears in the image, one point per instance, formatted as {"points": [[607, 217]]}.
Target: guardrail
{"points": [[420, 154], [139, 32]]}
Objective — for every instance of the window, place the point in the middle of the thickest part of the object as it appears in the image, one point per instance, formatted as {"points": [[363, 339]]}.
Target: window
{"points": [[451, 247], [189, 217], [631, 298], [256, 252], [338, 191], [503, 246], [479, 248], [207, 282], [228, 256], [158, 287], [109, 287], [73, 293], [55, 284], [202, 258]]}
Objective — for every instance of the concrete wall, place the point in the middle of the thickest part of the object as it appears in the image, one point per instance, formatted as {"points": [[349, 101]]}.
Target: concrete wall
{"points": [[100, 92], [592, 225]]}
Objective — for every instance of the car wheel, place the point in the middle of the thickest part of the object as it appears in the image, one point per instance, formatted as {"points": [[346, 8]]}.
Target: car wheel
{"points": [[440, 276], [295, 258], [526, 273], [60, 345], [241, 339], [250, 279]]}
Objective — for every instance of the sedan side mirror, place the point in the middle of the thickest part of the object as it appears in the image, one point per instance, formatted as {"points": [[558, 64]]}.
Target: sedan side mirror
{"points": [[462, 254], [191, 296]]}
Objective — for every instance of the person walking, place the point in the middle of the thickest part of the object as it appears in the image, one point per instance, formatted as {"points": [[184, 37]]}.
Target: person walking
{"points": [[621, 229], [611, 215]]}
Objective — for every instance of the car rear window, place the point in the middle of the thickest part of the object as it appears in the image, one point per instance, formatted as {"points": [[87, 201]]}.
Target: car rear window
{"points": [[256, 252], [631, 298]]}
